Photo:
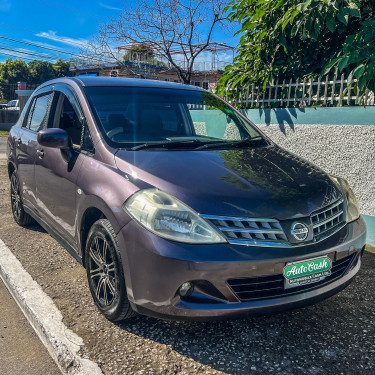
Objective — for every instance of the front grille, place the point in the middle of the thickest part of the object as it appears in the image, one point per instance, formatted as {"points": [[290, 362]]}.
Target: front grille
{"points": [[248, 230], [257, 288], [328, 220], [269, 232]]}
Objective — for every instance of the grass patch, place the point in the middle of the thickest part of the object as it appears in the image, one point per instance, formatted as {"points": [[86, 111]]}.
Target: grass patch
{"points": [[4, 133]]}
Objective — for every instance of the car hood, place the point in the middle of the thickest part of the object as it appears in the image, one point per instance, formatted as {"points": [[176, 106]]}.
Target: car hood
{"points": [[266, 182]]}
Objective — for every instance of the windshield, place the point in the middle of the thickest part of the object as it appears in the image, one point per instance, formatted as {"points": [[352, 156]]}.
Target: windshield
{"points": [[139, 117]]}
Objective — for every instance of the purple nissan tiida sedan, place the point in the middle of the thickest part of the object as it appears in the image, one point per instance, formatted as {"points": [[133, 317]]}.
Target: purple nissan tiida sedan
{"points": [[176, 204]]}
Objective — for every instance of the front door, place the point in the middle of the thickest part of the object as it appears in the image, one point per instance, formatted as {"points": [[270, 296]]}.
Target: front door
{"points": [[55, 176]]}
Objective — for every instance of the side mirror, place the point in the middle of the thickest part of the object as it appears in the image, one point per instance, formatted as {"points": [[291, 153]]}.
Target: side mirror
{"points": [[56, 138]]}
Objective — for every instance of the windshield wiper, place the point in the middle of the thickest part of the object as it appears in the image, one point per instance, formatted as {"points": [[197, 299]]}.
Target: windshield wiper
{"points": [[169, 144], [243, 142]]}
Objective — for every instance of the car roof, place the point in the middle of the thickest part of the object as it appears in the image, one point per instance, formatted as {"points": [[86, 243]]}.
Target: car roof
{"points": [[133, 82]]}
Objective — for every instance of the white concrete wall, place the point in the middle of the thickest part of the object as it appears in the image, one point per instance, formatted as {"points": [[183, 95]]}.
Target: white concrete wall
{"points": [[344, 150]]}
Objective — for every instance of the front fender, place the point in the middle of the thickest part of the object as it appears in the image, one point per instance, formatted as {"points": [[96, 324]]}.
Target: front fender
{"points": [[103, 187]]}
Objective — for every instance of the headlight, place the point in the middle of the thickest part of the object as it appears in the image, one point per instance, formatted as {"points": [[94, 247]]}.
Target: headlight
{"points": [[352, 208], [167, 217]]}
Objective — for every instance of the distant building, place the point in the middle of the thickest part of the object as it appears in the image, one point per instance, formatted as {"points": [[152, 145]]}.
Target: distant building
{"points": [[206, 79], [141, 62]]}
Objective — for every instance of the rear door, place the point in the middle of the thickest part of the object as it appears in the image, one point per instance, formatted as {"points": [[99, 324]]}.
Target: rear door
{"points": [[26, 144]]}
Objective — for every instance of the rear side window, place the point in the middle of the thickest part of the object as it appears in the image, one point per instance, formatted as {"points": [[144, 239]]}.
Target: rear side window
{"points": [[39, 112]]}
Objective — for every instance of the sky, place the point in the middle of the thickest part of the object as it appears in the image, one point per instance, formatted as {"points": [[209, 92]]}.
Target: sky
{"points": [[63, 25]]}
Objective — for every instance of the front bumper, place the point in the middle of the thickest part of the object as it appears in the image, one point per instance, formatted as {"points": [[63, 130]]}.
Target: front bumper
{"points": [[155, 268]]}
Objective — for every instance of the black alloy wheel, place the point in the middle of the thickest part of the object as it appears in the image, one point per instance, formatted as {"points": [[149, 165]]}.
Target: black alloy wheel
{"points": [[19, 214], [105, 273]]}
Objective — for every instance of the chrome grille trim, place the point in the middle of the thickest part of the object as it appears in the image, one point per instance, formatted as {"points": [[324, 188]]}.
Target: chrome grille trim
{"points": [[233, 229], [263, 243], [236, 218], [320, 223], [328, 220], [250, 231], [263, 232]]}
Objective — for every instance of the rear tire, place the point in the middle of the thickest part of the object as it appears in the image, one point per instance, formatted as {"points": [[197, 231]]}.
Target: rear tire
{"points": [[105, 272], [19, 214]]}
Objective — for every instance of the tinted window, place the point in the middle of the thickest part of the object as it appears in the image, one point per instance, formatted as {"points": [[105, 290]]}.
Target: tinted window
{"points": [[130, 115], [39, 113], [70, 121]]}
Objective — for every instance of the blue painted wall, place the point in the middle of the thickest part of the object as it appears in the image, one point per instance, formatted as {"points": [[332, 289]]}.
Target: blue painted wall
{"points": [[370, 222], [332, 116]]}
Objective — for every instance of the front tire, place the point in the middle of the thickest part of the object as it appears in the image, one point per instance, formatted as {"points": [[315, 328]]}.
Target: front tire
{"points": [[19, 214], [105, 272]]}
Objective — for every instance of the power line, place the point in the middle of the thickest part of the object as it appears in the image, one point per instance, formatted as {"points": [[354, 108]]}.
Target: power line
{"points": [[34, 33], [55, 50], [52, 49], [18, 57], [36, 45], [27, 53], [39, 54]]}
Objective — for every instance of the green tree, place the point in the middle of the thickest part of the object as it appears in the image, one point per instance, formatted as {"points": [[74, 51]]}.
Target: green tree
{"points": [[62, 68], [35, 72], [41, 71], [293, 39], [141, 51], [144, 53], [13, 71]]}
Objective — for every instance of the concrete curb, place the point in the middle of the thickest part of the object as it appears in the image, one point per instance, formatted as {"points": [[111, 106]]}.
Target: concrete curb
{"points": [[63, 345]]}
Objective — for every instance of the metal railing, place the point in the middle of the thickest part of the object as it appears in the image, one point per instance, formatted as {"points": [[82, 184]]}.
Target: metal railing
{"points": [[324, 92]]}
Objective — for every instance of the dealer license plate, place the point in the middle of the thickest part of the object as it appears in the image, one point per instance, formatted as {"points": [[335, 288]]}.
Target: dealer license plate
{"points": [[307, 271]]}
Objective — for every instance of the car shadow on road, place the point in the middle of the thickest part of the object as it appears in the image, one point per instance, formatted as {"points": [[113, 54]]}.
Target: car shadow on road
{"points": [[35, 227], [334, 336]]}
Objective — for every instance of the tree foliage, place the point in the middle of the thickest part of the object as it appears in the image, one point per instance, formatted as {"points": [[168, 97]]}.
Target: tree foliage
{"points": [[143, 53], [40, 71], [293, 39], [13, 71], [62, 68], [34, 72]]}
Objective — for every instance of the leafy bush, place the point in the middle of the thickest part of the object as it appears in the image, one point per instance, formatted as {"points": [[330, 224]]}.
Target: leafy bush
{"points": [[294, 39]]}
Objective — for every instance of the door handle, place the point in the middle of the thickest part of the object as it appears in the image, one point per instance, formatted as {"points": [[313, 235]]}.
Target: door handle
{"points": [[40, 154]]}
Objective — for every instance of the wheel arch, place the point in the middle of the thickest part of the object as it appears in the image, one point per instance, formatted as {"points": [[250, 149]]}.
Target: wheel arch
{"points": [[92, 209], [11, 168], [89, 217]]}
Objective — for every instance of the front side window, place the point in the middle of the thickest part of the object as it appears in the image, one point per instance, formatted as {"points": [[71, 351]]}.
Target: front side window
{"points": [[68, 119], [39, 112], [131, 116]]}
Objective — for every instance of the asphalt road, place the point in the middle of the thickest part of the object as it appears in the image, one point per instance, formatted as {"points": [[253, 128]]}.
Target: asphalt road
{"points": [[335, 336], [21, 351]]}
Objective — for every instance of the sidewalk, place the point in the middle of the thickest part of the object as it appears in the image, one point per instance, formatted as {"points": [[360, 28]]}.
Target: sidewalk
{"points": [[3, 145], [21, 351]]}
